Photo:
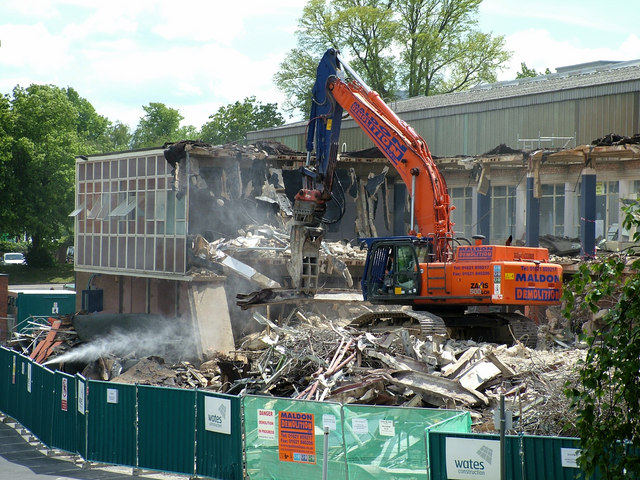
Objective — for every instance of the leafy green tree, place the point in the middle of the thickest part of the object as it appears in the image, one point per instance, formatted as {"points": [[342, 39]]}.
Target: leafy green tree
{"points": [[526, 72], [409, 47], [232, 122], [118, 137], [159, 125], [42, 141], [607, 403], [6, 141], [91, 127]]}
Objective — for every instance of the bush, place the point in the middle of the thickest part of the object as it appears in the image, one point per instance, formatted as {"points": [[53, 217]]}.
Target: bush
{"points": [[40, 258], [8, 246]]}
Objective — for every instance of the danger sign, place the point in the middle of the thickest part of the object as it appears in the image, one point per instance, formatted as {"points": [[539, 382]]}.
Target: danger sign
{"points": [[64, 395], [296, 439]]}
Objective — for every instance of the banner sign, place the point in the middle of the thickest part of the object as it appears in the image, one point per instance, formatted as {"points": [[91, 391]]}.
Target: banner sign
{"points": [[296, 439], [470, 458]]}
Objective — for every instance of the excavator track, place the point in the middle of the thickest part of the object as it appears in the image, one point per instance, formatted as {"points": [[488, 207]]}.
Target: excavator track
{"points": [[418, 323], [523, 329], [500, 327]]}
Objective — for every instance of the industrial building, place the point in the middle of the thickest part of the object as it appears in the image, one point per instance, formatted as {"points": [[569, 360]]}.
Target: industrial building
{"points": [[569, 108]]}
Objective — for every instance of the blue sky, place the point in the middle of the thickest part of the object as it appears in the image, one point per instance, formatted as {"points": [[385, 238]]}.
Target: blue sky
{"points": [[197, 55]]}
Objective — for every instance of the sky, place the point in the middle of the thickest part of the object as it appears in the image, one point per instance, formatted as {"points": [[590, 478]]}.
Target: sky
{"points": [[199, 55]]}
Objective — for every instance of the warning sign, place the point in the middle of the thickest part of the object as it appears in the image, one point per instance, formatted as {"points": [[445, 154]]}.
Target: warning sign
{"points": [[296, 439], [64, 395]]}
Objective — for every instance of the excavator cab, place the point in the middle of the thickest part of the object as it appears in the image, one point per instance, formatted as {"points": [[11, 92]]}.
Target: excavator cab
{"points": [[392, 270]]}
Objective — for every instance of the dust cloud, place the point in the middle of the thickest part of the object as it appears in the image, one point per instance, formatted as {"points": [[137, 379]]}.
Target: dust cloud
{"points": [[172, 340]]}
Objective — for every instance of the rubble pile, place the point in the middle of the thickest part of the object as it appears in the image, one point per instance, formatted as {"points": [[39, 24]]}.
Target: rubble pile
{"points": [[44, 338], [265, 244], [319, 355]]}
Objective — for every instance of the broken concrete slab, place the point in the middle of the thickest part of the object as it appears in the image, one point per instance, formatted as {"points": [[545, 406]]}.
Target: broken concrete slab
{"points": [[437, 390], [211, 319]]}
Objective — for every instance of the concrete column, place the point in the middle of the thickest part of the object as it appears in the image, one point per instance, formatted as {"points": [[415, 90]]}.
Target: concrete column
{"points": [[521, 211], [474, 206], [484, 213], [588, 213], [532, 236], [569, 210]]}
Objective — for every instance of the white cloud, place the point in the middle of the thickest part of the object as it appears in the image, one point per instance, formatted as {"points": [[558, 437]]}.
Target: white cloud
{"points": [[32, 48], [541, 49], [36, 9]]}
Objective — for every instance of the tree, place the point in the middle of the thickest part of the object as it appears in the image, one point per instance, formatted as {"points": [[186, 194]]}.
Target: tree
{"points": [[526, 72], [607, 403], [118, 137], [92, 128], [159, 125], [38, 165], [399, 47], [232, 122]]}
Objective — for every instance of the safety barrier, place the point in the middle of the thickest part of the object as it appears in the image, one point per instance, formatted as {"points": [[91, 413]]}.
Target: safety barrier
{"points": [[200, 433], [165, 429], [527, 457], [284, 439]]}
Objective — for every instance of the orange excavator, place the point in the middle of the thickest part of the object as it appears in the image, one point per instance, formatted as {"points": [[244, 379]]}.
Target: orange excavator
{"points": [[472, 290]]}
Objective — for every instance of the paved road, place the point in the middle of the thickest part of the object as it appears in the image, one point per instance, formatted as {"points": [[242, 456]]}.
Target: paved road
{"points": [[40, 286], [21, 460]]}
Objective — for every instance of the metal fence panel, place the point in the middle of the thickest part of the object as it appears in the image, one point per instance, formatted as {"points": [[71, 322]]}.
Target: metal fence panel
{"points": [[548, 454], [42, 386], [64, 411], [80, 404], [13, 385], [284, 438], [166, 429], [526, 457], [219, 436], [5, 379], [387, 441], [19, 404], [111, 417]]}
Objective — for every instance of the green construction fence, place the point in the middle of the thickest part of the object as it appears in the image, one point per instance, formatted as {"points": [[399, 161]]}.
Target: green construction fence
{"points": [[284, 439], [202, 433], [454, 455]]}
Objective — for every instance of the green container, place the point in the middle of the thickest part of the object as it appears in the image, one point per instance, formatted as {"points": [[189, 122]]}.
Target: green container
{"points": [[38, 303]]}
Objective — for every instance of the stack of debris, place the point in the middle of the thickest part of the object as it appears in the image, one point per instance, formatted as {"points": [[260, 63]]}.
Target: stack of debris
{"points": [[318, 356], [266, 245], [45, 337], [316, 353]]}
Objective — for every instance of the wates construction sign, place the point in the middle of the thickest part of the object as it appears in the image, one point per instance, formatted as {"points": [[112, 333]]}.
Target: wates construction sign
{"points": [[470, 458]]}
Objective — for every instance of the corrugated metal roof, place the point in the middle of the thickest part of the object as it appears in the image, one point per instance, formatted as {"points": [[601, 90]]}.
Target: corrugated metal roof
{"points": [[595, 77], [607, 78]]}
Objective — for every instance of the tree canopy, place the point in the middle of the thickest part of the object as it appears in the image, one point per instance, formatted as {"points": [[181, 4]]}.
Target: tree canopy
{"points": [[607, 398], [526, 72], [160, 124], [399, 47], [232, 122], [38, 143]]}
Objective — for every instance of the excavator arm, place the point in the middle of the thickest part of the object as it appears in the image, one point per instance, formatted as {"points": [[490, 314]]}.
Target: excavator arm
{"points": [[337, 89]]}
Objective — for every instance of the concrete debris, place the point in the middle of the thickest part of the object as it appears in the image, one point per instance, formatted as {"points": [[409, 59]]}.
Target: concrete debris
{"points": [[315, 353], [265, 245]]}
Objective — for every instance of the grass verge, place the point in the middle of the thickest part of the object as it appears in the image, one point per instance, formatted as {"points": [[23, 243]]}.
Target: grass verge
{"points": [[24, 274]]}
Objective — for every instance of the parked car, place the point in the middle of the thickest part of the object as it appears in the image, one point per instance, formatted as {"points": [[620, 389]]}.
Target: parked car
{"points": [[13, 258]]}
